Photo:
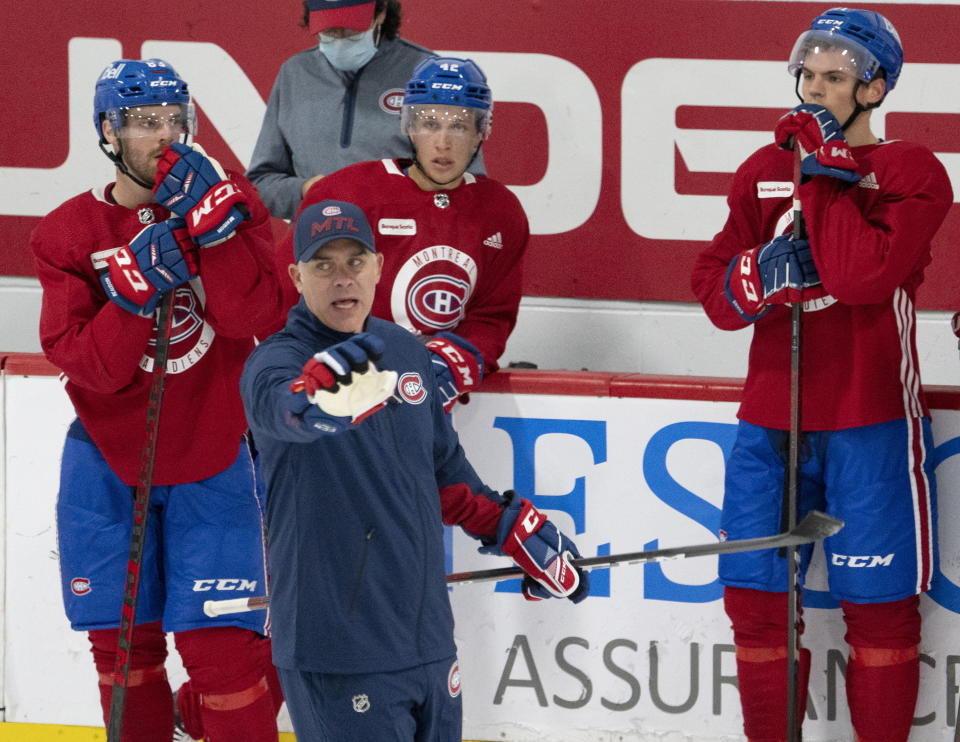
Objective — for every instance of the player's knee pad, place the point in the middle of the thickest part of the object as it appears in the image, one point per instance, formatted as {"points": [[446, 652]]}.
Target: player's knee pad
{"points": [[760, 634], [147, 654], [224, 659], [883, 669], [894, 625], [148, 708], [231, 677], [759, 617]]}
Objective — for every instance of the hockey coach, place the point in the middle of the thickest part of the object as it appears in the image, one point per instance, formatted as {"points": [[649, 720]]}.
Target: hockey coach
{"points": [[362, 470]]}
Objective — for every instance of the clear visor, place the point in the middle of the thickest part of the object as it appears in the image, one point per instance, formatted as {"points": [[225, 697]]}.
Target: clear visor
{"points": [[426, 118], [172, 120], [840, 54]]}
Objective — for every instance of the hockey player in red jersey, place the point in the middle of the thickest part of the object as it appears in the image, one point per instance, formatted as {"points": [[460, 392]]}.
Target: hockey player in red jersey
{"points": [[172, 221], [871, 208], [452, 242]]}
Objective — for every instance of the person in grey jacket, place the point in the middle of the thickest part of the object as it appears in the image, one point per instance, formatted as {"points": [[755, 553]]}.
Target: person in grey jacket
{"points": [[336, 103]]}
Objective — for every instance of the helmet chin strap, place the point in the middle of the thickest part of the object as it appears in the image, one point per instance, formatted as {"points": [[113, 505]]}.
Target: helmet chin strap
{"points": [[857, 108], [117, 159]]}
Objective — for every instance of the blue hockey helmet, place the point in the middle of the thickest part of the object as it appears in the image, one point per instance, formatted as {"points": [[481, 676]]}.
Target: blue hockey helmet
{"points": [[128, 83], [868, 40], [449, 81]]}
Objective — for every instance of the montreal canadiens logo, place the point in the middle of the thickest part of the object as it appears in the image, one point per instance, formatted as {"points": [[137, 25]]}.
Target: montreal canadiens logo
{"points": [[453, 680], [431, 289], [80, 586], [190, 335], [391, 101], [438, 301], [411, 388]]}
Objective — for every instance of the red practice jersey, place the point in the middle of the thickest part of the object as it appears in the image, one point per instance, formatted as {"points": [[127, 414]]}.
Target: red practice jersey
{"points": [[452, 260], [106, 353], [871, 243]]}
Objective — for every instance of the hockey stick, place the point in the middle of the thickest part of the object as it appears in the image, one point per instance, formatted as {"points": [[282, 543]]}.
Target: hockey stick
{"points": [[141, 507], [792, 476], [813, 527]]}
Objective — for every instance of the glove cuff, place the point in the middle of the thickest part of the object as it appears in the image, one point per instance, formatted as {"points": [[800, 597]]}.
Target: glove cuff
{"points": [[741, 286]]}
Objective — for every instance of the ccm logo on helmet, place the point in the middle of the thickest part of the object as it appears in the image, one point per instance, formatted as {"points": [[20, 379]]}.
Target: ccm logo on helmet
{"points": [[866, 560], [446, 86], [161, 83], [224, 583]]}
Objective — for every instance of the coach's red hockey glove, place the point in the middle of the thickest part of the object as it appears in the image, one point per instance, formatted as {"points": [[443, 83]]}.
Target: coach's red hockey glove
{"points": [[159, 258], [778, 272], [823, 148], [457, 366], [194, 186], [340, 386], [541, 551]]}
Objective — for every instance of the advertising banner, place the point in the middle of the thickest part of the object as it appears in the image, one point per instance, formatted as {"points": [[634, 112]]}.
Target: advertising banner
{"points": [[618, 124], [648, 657]]}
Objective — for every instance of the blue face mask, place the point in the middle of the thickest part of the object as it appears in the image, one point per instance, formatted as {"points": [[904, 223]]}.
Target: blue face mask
{"points": [[350, 53]]}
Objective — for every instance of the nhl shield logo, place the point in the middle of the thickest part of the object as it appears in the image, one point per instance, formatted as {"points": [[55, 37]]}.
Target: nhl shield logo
{"points": [[411, 387], [361, 703], [146, 215]]}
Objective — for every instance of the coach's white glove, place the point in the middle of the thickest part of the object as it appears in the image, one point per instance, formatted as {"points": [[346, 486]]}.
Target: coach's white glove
{"points": [[363, 395]]}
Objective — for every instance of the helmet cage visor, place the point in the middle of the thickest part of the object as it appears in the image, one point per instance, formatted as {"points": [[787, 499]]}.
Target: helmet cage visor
{"points": [[420, 118], [135, 122], [854, 59]]}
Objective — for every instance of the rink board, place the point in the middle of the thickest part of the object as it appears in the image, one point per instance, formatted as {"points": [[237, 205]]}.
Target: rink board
{"points": [[624, 462]]}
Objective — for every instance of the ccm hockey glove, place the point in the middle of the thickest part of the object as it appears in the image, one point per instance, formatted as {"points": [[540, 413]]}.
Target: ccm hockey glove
{"points": [[457, 366], [778, 272], [194, 186], [340, 386], [536, 546], [159, 258], [823, 148]]}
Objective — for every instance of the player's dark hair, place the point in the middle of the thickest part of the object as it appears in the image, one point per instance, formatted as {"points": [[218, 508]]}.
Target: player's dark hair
{"points": [[391, 22]]}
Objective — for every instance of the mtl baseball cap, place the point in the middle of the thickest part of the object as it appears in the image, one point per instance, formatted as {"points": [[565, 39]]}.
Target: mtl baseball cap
{"points": [[323, 222], [353, 14]]}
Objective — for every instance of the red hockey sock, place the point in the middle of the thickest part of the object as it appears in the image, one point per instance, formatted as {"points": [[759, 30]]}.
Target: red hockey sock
{"points": [[188, 709], [230, 674], [148, 708], [883, 669], [760, 632]]}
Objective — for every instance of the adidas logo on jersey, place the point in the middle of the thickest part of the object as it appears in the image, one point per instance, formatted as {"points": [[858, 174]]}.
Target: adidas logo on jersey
{"points": [[494, 240], [869, 181]]}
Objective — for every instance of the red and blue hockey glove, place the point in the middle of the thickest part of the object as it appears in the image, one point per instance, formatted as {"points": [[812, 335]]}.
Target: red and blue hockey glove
{"points": [[457, 366], [340, 386], [194, 186], [778, 272], [159, 258], [823, 148], [536, 546]]}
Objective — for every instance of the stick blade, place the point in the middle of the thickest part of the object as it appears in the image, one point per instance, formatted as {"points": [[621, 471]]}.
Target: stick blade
{"points": [[816, 526]]}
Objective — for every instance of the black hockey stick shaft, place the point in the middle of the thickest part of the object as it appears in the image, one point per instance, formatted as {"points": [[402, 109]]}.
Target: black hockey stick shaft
{"points": [[814, 527], [141, 508], [791, 480]]}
